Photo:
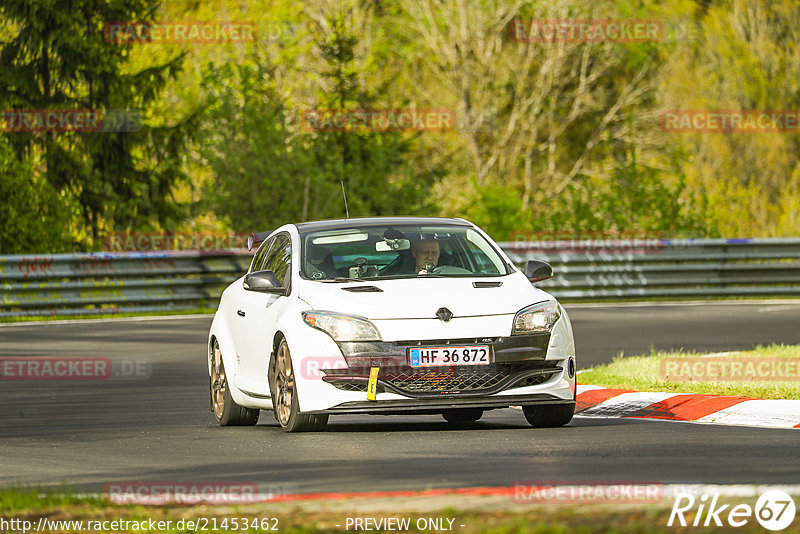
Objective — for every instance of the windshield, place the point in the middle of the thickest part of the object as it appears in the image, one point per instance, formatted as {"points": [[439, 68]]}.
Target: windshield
{"points": [[399, 251]]}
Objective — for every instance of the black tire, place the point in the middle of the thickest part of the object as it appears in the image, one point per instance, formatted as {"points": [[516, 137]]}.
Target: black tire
{"points": [[461, 416], [224, 408], [284, 396], [549, 415]]}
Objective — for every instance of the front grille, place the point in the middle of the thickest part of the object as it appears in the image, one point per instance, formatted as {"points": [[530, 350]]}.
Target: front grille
{"points": [[447, 380]]}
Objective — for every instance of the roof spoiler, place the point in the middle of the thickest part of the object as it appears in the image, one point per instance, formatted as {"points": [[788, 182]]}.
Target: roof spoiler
{"points": [[255, 239]]}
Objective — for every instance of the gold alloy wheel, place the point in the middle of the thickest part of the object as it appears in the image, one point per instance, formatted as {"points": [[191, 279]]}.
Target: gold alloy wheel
{"points": [[219, 383], [284, 381]]}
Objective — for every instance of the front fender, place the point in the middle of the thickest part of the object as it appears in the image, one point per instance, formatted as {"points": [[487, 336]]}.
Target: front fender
{"points": [[219, 331], [562, 346], [312, 349]]}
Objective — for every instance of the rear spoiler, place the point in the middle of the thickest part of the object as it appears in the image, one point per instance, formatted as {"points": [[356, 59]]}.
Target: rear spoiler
{"points": [[255, 239]]}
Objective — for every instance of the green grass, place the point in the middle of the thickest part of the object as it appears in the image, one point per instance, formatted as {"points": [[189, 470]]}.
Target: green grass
{"points": [[645, 373], [311, 517], [23, 500]]}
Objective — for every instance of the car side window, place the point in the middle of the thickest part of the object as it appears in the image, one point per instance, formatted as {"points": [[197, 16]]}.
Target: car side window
{"points": [[261, 255], [279, 258], [482, 262]]}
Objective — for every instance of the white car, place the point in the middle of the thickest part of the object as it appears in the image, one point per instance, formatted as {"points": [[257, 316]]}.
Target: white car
{"points": [[388, 315]]}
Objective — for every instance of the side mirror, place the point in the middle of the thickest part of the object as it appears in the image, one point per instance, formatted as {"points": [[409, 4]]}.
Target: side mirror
{"points": [[263, 282], [536, 271]]}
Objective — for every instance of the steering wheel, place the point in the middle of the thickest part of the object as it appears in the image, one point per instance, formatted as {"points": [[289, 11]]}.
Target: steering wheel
{"points": [[450, 269]]}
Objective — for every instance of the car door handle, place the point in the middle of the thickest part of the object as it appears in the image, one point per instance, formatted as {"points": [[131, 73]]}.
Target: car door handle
{"points": [[240, 313]]}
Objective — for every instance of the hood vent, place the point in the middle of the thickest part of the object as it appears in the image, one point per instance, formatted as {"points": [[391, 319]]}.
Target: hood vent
{"points": [[363, 289], [487, 284]]}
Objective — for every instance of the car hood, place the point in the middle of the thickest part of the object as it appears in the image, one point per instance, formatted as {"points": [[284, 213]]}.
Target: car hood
{"points": [[420, 298]]}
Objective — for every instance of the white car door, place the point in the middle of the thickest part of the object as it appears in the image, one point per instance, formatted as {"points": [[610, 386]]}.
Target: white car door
{"points": [[261, 312], [237, 301]]}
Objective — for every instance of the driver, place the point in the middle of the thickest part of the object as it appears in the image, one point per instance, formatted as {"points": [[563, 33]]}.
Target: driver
{"points": [[425, 251]]}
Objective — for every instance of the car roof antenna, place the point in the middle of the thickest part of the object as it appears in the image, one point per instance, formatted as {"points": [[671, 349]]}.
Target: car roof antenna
{"points": [[346, 211]]}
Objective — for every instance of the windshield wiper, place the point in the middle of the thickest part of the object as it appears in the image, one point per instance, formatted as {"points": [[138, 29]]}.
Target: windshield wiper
{"points": [[409, 276], [342, 279]]}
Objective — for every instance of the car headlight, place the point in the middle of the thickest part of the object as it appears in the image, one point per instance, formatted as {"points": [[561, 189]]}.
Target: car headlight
{"points": [[536, 318], [342, 327]]}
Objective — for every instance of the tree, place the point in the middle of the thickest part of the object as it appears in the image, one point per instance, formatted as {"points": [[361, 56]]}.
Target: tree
{"points": [[33, 215], [549, 106], [377, 168], [260, 170], [744, 57], [53, 55], [267, 170]]}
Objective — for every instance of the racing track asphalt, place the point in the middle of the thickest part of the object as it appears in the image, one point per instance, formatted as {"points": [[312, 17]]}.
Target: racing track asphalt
{"points": [[85, 434]]}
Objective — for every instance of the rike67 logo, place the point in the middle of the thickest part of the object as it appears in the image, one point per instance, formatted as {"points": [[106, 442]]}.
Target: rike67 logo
{"points": [[774, 510]]}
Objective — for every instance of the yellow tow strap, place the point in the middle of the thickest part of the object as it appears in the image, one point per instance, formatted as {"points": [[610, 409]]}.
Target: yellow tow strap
{"points": [[372, 387]]}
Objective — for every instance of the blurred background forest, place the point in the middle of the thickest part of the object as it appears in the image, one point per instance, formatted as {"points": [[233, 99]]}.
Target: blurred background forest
{"points": [[549, 136]]}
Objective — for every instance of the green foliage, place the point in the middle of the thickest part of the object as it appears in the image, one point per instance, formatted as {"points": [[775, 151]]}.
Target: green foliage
{"points": [[637, 199], [376, 168], [257, 165], [32, 214], [498, 210], [265, 174], [55, 56], [549, 136], [743, 56]]}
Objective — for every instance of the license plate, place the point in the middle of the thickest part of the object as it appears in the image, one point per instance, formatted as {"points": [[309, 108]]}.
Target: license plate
{"points": [[450, 355]]}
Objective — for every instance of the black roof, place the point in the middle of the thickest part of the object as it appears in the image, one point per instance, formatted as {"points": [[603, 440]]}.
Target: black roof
{"points": [[339, 224]]}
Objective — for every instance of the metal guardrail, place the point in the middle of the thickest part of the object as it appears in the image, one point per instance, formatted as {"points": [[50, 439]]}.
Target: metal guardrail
{"points": [[107, 283], [654, 268]]}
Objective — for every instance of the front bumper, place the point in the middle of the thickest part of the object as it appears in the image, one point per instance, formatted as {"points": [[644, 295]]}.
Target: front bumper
{"points": [[435, 406], [543, 359], [517, 361]]}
